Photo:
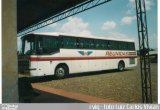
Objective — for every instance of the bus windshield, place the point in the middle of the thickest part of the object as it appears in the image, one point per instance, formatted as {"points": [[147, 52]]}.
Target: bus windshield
{"points": [[39, 45], [28, 46]]}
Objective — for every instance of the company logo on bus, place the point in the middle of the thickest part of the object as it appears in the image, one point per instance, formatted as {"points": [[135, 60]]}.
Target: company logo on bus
{"points": [[87, 53], [111, 53]]}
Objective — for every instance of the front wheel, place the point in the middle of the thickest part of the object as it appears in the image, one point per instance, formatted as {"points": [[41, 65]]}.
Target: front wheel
{"points": [[60, 72], [121, 66]]}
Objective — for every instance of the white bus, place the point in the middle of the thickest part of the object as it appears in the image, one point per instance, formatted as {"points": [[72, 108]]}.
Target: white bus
{"points": [[61, 54]]}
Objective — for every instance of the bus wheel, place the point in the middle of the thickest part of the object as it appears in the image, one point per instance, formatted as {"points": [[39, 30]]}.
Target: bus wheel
{"points": [[121, 66], [60, 72]]}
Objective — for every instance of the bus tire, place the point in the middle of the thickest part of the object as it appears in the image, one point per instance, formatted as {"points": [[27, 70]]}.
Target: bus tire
{"points": [[60, 71], [121, 66]]}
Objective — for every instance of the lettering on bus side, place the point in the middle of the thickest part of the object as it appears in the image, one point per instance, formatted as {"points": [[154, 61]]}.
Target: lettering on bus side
{"points": [[111, 53]]}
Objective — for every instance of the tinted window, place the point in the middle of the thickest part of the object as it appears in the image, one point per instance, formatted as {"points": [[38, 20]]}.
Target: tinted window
{"points": [[83, 43], [47, 45], [131, 46], [69, 42], [87, 43]]}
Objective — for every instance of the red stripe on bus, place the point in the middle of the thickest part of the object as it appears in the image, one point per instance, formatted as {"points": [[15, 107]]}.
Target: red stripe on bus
{"points": [[76, 58], [132, 52]]}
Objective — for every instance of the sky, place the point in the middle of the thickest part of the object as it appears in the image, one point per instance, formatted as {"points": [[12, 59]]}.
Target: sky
{"points": [[115, 19]]}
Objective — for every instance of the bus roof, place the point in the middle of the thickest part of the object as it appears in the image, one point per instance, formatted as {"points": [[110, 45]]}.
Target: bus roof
{"points": [[57, 34]]}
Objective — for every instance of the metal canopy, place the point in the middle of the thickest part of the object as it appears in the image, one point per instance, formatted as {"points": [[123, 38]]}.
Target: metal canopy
{"points": [[30, 12], [51, 13]]}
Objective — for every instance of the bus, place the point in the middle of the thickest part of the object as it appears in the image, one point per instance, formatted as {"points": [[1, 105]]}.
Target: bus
{"points": [[61, 54]]}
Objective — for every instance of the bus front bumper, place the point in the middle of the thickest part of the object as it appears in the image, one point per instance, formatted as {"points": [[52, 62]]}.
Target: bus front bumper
{"points": [[27, 72]]}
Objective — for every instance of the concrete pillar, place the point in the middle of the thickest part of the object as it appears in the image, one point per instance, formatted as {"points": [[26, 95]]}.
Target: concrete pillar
{"points": [[9, 52]]}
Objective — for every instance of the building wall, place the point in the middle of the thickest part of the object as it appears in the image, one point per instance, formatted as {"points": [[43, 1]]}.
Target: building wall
{"points": [[9, 52]]}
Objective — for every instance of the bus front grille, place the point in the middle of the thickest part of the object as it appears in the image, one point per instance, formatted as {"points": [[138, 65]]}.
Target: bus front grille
{"points": [[23, 66]]}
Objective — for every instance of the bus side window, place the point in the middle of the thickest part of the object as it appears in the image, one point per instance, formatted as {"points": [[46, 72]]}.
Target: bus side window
{"points": [[49, 45], [64, 42], [126, 46], [115, 45], [112, 45], [97, 44], [72, 43], [100, 44], [106, 45], [103, 45], [85, 43], [60, 42], [81, 43], [91, 45], [122, 45], [69, 42], [77, 43], [119, 45], [39, 48], [131, 46], [109, 45]]}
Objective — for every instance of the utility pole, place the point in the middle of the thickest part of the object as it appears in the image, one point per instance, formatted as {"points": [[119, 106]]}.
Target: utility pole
{"points": [[144, 51]]}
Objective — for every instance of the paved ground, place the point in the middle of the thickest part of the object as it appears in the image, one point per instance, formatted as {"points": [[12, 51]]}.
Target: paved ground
{"points": [[124, 87], [45, 97], [58, 95]]}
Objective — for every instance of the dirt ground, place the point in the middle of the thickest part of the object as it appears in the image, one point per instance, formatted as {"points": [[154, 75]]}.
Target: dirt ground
{"points": [[123, 87]]}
